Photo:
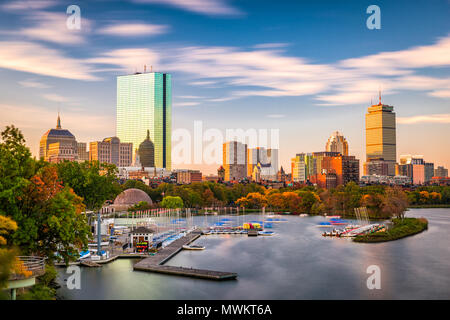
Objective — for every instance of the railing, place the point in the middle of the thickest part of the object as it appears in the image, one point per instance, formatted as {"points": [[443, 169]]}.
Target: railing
{"points": [[27, 266]]}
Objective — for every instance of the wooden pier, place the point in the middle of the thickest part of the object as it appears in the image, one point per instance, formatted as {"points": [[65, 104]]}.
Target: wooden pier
{"points": [[155, 263]]}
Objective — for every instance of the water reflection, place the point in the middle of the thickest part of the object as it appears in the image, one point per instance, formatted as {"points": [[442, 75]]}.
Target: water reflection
{"points": [[297, 263]]}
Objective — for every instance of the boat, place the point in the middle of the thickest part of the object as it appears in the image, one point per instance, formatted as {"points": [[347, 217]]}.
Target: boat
{"points": [[85, 254], [333, 217], [325, 225], [303, 215], [193, 247], [266, 233]]}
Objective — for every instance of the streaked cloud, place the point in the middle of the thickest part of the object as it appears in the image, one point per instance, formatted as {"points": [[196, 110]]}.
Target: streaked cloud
{"points": [[28, 4], [270, 72], [207, 7], [429, 118], [51, 27], [38, 59], [133, 29], [128, 60], [55, 97], [33, 83], [190, 97], [185, 104]]}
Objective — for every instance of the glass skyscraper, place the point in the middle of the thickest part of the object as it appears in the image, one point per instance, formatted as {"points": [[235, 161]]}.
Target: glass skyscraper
{"points": [[144, 102]]}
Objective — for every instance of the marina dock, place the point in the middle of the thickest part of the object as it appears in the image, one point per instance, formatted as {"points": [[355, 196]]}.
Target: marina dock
{"points": [[155, 263]]}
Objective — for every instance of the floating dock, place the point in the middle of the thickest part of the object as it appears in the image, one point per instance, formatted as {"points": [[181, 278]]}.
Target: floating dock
{"points": [[155, 263]]}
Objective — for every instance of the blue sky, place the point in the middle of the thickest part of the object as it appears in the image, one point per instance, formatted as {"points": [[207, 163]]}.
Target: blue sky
{"points": [[307, 68]]}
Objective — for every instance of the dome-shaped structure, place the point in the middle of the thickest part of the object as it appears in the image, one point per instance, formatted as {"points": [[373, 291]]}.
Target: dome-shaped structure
{"points": [[147, 152], [57, 135], [129, 198]]}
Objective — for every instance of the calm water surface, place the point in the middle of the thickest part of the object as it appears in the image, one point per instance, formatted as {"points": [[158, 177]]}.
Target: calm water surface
{"points": [[296, 263]]}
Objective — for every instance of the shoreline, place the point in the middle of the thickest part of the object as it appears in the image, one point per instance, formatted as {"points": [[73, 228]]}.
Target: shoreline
{"points": [[402, 228]]}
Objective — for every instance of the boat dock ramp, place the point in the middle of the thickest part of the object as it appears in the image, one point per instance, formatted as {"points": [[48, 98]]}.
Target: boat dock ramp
{"points": [[156, 263]]}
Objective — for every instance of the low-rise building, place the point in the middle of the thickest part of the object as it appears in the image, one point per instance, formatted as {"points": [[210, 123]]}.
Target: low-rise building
{"points": [[188, 176]]}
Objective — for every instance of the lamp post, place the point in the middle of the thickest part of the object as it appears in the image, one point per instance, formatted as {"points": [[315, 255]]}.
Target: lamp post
{"points": [[99, 233]]}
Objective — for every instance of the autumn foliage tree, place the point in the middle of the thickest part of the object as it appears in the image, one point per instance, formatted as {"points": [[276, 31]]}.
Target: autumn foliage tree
{"points": [[51, 222]]}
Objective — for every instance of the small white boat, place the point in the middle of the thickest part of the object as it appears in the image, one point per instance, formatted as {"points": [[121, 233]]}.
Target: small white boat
{"points": [[84, 254], [193, 247], [266, 233], [303, 215]]}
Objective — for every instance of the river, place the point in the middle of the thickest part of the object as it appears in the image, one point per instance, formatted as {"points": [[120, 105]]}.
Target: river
{"points": [[296, 263]]}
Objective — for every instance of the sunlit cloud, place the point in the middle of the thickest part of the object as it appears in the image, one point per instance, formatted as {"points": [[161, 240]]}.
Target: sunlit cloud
{"points": [[430, 118], [38, 59], [21, 5], [130, 60], [51, 27], [186, 104], [55, 97], [207, 7], [33, 83], [133, 29]]}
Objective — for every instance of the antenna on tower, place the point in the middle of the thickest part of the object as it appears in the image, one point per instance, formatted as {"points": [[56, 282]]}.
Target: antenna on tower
{"points": [[379, 96]]}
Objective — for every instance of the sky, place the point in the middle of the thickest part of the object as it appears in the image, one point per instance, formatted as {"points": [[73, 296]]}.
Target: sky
{"points": [[306, 68]]}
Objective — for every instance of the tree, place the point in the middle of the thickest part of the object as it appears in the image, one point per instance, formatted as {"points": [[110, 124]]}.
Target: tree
{"points": [[93, 181], [394, 202], [253, 200], [51, 222], [170, 202], [7, 255]]}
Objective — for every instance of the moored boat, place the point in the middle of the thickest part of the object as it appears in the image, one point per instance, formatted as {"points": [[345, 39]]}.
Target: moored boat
{"points": [[193, 247]]}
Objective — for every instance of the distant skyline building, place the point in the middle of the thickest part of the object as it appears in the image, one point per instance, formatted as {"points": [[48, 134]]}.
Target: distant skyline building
{"points": [[303, 166], [144, 102], [235, 160], [268, 160], [58, 144], [83, 154], [186, 176], [111, 150], [381, 136], [147, 152], [440, 171], [337, 143], [415, 168]]}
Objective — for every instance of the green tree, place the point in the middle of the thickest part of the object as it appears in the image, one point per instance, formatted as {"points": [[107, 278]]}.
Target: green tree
{"points": [[170, 202], [93, 181], [51, 222]]}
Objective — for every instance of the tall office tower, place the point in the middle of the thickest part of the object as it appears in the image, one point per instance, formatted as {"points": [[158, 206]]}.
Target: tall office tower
{"points": [[111, 150], [235, 160], [144, 102], [380, 135], [337, 143], [266, 157]]}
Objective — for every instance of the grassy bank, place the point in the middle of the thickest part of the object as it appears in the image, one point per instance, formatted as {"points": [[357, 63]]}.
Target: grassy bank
{"points": [[401, 228]]}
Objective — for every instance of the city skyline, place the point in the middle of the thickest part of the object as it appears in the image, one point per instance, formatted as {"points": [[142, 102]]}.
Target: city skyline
{"points": [[218, 74]]}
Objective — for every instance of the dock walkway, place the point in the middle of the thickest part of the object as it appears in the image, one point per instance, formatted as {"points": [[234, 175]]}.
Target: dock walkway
{"points": [[155, 263]]}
